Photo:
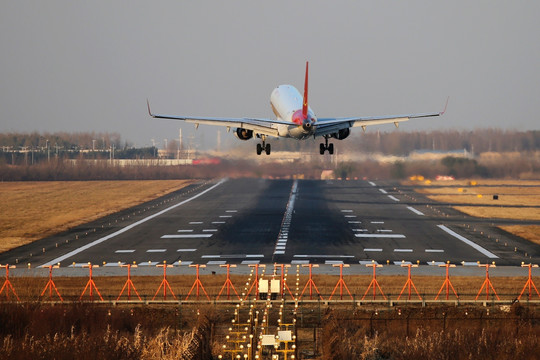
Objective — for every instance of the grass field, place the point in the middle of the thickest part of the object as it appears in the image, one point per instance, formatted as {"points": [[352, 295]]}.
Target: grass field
{"points": [[34, 210], [521, 201]]}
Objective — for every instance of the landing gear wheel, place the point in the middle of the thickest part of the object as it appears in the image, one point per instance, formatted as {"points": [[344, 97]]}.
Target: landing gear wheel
{"points": [[267, 149], [326, 146], [259, 149]]}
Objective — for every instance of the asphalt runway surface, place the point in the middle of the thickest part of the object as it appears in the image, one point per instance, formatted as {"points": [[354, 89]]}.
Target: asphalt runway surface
{"points": [[262, 221]]}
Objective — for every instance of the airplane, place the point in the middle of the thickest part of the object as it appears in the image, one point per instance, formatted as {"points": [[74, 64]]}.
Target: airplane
{"points": [[294, 119]]}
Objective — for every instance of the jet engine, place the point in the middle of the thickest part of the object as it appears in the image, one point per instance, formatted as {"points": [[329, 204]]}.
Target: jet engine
{"points": [[244, 134], [342, 134]]}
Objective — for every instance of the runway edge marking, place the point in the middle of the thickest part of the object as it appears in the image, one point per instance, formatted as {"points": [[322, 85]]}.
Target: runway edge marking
{"points": [[129, 227], [468, 242]]}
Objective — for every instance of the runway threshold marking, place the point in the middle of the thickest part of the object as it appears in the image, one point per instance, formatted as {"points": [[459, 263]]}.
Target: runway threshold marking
{"points": [[468, 242], [129, 227]]}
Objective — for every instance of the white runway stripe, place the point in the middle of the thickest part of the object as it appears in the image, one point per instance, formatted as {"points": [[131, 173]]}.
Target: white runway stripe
{"points": [[383, 191], [148, 263], [190, 236], [129, 227], [216, 262], [468, 242], [324, 256], [417, 212], [393, 198], [384, 236], [373, 250], [184, 231], [403, 250], [195, 222], [186, 250], [156, 250], [434, 251], [124, 251]]}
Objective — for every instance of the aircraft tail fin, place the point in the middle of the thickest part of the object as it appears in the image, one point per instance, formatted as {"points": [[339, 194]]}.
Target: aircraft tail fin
{"points": [[305, 103]]}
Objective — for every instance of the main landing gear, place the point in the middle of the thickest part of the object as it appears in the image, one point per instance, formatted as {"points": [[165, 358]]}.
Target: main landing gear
{"points": [[326, 146], [266, 147]]}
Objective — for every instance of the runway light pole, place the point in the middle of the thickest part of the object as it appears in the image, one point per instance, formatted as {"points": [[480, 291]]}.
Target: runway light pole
{"points": [[530, 283], [7, 284], [374, 283], [128, 284], [50, 285], [487, 282], [90, 284], [228, 284], [311, 283], [447, 283], [197, 284], [409, 282], [340, 283], [164, 283]]}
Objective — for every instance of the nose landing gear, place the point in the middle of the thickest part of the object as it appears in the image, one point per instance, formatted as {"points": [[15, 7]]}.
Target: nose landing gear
{"points": [[326, 146]]}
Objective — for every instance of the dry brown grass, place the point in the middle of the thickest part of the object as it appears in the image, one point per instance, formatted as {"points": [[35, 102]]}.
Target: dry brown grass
{"points": [[530, 232], [34, 210], [521, 201]]}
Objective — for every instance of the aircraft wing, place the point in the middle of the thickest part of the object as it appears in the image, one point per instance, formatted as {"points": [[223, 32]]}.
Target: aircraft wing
{"points": [[260, 126], [327, 126]]}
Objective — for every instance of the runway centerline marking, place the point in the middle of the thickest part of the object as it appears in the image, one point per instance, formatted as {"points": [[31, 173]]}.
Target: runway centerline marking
{"points": [[124, 251], [184, 231], [156, 250], [468, 242], [393, 198], [383, 191], [195, 222], [129, 227], [283, 235]]}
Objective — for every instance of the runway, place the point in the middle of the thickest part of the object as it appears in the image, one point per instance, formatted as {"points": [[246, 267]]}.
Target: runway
{"points": [[261, 221]]}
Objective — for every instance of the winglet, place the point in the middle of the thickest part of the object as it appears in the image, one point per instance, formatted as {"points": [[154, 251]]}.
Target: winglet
{"points": [[148, 105], [445, 106], [305, 104]]}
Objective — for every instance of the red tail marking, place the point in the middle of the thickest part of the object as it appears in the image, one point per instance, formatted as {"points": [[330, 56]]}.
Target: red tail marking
{"points": [[305, 104]]}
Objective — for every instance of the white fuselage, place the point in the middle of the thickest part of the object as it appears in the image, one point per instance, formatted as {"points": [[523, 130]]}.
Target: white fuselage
{"points": [[286, 102]]}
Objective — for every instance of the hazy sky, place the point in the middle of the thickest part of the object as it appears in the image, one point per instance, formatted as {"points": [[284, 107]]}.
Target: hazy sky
{"points": [[90, 65]]}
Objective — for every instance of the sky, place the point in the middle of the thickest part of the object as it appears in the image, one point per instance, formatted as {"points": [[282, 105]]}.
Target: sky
{"points": [[83, 66]]}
